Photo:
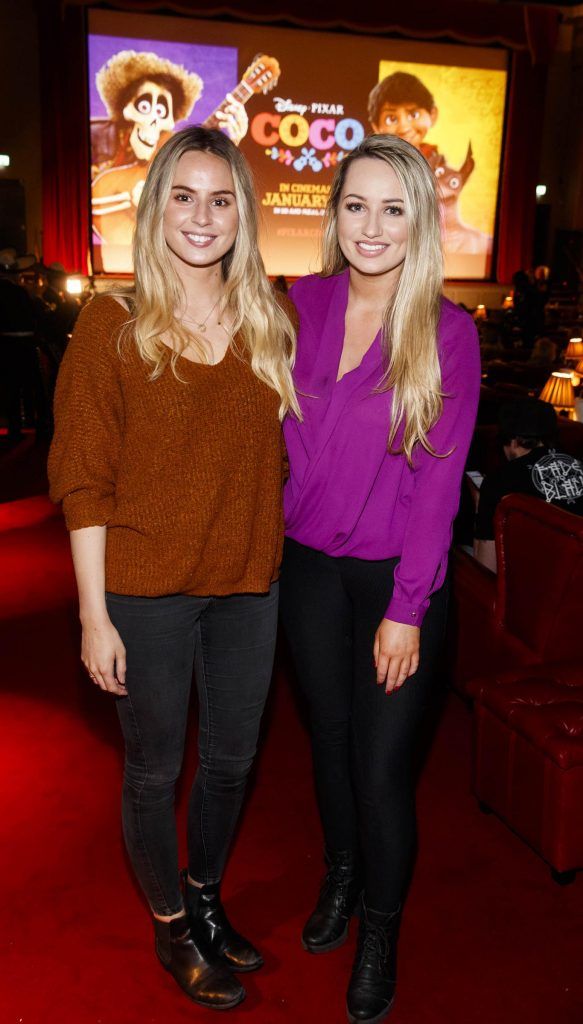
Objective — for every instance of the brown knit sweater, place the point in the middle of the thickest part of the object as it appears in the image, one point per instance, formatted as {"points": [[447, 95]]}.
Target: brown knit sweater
{"points": [[186, 475]]}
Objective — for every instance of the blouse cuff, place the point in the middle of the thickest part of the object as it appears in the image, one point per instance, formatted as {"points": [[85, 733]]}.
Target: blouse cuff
{"points": [[408, 614]]}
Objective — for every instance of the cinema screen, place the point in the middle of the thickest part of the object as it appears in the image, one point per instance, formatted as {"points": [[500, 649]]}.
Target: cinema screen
{"points": [[296, 102]]}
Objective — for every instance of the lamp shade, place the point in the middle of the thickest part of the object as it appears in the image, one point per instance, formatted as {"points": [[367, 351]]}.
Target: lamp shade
{"points": [[579, 368], [574, 349], [558, 390]]}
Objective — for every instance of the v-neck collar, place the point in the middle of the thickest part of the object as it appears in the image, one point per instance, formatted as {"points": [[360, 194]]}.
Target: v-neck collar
{"points": [[329, 353]]}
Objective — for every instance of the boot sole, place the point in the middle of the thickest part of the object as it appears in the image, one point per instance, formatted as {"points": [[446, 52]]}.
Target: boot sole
{"points": [[243, 970], [204, 1002], [329, 946], [371, 1020]]}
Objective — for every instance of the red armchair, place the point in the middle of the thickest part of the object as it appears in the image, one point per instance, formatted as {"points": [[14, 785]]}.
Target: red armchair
{"points": [[531, 612], [528, 758], [515, 639]]}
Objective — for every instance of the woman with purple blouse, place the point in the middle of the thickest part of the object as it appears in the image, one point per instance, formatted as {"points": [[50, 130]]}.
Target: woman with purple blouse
{"points": [[387, 375]]}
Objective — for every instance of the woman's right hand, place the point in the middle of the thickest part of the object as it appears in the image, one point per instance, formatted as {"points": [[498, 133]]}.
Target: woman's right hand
{"points": [[104, 655], [102, 651]]}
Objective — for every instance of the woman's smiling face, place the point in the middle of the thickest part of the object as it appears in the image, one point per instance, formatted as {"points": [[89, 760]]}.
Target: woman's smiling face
{"points": [[372, 219], [201, 218]]}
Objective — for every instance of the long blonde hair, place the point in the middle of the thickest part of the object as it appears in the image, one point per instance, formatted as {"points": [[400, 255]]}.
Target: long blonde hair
{"points": [[411, 316], [264, 333]]}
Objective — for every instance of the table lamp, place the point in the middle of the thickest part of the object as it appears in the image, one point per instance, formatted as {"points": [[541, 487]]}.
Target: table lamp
{"points": [[559, 392], [574, 350]]}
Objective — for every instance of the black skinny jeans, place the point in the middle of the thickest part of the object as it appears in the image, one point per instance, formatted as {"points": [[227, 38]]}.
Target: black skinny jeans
{"points": [[230, 641], [363, 740]]}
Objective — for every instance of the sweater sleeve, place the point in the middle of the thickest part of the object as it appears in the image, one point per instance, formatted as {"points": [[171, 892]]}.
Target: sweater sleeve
{"points": [[88, 411], [436, 487]]}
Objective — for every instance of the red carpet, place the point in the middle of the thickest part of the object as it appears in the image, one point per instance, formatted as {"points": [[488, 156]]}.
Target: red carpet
{"points": [[487, 936], [23, 466]]}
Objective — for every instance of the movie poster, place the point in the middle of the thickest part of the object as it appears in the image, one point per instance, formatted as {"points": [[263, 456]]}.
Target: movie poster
{"points": [[296, 103], [455, 117]]}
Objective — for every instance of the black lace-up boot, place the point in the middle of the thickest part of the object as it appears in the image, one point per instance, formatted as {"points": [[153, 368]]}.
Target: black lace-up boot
{"points": [[371, 991], [327, 926], [208, 919], [208, 983]]}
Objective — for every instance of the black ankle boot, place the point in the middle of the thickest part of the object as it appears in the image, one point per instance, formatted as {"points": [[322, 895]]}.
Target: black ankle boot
{"points": [[208, 918], [207, 983], [371, 992], [327, 926]]}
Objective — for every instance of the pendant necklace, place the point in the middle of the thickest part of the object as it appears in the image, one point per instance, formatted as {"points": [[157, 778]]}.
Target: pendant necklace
{"points": [[201, 327]]}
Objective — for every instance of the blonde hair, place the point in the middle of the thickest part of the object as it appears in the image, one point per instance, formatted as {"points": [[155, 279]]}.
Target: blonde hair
{"points": [[262, 331], [411, 316]]}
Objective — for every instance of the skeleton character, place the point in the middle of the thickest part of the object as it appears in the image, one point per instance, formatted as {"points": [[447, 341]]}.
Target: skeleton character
{"points": [[151, 112], [145, 97]]}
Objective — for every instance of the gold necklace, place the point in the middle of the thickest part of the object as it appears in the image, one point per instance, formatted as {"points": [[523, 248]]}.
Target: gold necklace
{"points": [[202, 326]]}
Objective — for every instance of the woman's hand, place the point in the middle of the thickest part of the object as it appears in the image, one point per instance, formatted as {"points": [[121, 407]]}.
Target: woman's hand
{"points": [[104, 655], [102, 651], [396, 653]]}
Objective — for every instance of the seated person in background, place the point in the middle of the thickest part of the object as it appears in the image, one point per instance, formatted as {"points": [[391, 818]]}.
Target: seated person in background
{"points": [[544, 353], [529, 307], [527, 430], [20, 387]]}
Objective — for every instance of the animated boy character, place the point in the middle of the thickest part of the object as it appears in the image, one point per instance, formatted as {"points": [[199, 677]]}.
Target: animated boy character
{"points": [[401, 105]]}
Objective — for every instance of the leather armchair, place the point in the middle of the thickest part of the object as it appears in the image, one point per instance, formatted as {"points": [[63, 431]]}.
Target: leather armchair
{"points": [[531, 612], [528, 758]]}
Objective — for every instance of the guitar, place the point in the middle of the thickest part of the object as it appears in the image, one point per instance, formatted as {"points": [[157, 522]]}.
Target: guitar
{"points": [[115, 193], [261, 76]]}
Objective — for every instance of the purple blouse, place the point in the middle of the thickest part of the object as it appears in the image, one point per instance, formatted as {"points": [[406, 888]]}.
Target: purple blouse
{"points": [[346, 495]]}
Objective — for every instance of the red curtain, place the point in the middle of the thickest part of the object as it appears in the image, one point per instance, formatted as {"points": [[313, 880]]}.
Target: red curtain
{"points": [[529, 33], [65, 136], [520, 168]]}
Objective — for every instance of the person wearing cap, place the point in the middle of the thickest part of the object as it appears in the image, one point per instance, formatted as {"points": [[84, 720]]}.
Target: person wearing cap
{"points": [[20, 387], [534, 466]]}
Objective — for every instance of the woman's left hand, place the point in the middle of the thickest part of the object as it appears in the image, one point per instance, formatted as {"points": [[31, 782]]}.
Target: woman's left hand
{"points": [[396, 653]]}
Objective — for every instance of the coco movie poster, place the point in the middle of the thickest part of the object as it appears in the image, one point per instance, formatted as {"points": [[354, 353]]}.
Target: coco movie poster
{"points": [[296, 103]]}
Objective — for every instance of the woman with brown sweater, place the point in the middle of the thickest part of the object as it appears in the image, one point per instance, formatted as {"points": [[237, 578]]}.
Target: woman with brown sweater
{"points": [[168, 459]]}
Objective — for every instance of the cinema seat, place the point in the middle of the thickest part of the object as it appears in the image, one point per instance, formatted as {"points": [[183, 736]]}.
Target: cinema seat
{"points": [[528, 758], [531, 612]]}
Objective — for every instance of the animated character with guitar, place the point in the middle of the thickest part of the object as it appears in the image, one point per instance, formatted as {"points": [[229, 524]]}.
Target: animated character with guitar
{"points": [[145, 96]]}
